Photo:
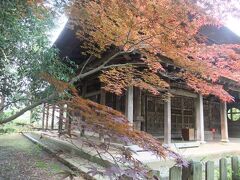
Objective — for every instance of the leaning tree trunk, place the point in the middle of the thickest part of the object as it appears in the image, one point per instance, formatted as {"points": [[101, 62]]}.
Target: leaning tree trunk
{"points": [[33, 105]]}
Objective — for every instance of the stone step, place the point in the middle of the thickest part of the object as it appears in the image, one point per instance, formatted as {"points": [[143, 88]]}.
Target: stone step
{"points": [[191, 144]]}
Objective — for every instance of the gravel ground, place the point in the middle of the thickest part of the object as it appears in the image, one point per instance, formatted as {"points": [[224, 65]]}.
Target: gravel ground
{"points": [[20, 159]]}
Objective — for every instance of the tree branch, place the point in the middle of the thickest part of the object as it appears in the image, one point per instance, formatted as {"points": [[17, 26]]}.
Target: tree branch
{"points": [[129, 32], [21, 112], [5, 56], [99, 68], [87, 61], [13, 102], [119, 65]]}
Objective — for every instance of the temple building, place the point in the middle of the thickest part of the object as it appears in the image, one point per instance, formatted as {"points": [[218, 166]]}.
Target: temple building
{"points": [[185, 116]]}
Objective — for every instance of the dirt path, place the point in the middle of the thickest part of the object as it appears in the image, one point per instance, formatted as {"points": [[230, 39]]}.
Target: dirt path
{"points": [[20, 159]]}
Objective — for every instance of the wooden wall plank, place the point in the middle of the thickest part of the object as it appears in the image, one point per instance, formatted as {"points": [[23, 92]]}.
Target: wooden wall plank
{"points": [[209, 170], [175, 173], [196, 171], [223, 168], [235, 168], [187, 171]]}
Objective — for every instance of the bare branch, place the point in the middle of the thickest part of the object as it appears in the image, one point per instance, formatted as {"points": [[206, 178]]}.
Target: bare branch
{"points": [[4, 54], [99, 68], [129, 32], [126, 64], [87, 61]]}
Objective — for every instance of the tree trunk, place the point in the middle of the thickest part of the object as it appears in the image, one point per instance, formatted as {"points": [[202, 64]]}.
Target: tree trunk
{"points": [[33, 105]]}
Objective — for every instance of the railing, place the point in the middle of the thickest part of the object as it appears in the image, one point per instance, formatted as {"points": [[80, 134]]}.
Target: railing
{"points": [[196, 171]]}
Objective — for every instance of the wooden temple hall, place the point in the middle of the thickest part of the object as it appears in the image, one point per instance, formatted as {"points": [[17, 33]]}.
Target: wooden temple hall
{"points": [[185, 116]]}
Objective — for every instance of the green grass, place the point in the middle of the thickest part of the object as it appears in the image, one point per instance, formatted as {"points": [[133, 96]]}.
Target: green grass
{"points": [[55, 168], [41, 165], [13, 128], [20, 124]]}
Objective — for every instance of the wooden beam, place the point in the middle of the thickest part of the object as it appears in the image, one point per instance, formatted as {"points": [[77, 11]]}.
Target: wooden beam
{"points": [[181, 92], [92, 94]]}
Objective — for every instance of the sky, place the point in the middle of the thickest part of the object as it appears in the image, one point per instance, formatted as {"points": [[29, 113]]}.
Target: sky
{"points": [[61, 22], [234, 25]]}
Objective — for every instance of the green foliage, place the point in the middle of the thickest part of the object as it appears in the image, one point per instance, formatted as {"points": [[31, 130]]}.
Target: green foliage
{"points": [[36, 114], [14, 127], [26, 53]]}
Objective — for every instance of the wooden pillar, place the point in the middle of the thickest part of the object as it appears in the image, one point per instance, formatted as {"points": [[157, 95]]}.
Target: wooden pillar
{"points": [[224, 124], [84, 91], [103, 97], [118, 103], [167, 121], [60, 122], [68, 120], [43, 118], [143, 104], [129, 105], [137, 109], [102, 102], [47, 116], [199, 119], [210, 113], [53, 114]]}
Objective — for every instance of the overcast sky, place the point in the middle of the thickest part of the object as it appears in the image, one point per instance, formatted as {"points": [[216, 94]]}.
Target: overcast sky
{"points": [[234, 25]]}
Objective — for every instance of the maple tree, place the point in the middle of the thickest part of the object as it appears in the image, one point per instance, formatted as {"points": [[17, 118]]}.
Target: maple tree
{"points": [[150, 28]]}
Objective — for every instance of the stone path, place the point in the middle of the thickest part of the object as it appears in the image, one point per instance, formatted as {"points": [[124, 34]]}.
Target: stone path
{"points": [[20, 159]]}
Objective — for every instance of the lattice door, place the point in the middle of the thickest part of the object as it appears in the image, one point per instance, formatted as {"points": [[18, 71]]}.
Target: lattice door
{"points": [[182, 112], [155, 115]]}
